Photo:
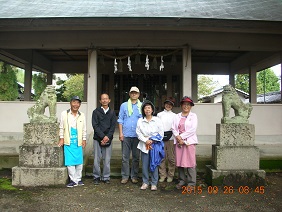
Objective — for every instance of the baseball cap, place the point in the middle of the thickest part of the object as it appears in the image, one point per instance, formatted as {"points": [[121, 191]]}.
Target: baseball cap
{"points": [[76, 98], [134, 88]]}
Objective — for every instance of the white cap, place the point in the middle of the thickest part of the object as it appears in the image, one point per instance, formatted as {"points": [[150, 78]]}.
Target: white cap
{"points": [[134, 88]]}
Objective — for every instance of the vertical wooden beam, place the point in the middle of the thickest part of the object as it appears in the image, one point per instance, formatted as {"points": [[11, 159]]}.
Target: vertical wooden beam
{"points": [[186, 72], [252, 85], [91, 87]]}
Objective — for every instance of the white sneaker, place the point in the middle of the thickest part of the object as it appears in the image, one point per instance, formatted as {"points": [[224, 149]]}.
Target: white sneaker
{"points": [[154, 188], [144, 186]]}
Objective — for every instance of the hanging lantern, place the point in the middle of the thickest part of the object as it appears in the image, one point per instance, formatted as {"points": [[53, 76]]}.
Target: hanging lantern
{"points": [[129, 63], [147, 65], [162, 64], [115, 66]]}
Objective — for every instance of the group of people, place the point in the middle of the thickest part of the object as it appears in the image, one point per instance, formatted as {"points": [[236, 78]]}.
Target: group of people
{"points": [[165, 141]]}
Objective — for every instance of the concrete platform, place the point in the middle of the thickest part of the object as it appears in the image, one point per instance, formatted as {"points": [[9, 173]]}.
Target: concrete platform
{"points": [[235, 178], [25, 176]]}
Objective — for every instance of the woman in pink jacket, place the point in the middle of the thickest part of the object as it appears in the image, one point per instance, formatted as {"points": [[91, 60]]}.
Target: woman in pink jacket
{"points": [[184, 130]]}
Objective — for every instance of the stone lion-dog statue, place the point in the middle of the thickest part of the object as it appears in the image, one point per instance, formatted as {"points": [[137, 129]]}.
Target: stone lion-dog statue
{"points": [[48, 98], [231, 99]]}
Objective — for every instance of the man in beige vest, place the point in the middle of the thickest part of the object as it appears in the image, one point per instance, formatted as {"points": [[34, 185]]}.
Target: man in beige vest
{"points": [[73, 138]]}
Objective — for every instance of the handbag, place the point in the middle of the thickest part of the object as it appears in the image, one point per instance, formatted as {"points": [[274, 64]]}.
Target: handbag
{"points": [[167, 135]]}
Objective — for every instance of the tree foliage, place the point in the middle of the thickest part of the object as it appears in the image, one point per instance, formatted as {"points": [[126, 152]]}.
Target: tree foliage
{"points": [[242, 82], [8, 83], [39, 84], [205, 85], [60, 90], [20, 75], [74, 86], [266, 79]]}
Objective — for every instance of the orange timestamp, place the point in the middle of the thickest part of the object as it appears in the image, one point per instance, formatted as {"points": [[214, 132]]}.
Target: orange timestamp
{"points": [[224, 190]]}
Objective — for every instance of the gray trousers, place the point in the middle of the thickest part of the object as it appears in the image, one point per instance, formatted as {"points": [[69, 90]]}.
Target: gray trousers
{"points": [[129, 145], [105, 153], [190, 179]]}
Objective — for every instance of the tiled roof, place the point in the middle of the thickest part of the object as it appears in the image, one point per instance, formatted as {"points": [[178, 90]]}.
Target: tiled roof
{"points": [[269, 10], [272, 97], [219, 91]]}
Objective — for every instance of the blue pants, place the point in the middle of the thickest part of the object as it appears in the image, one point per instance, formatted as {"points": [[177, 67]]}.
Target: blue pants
{"points": [[145, 170], [130, 145]]}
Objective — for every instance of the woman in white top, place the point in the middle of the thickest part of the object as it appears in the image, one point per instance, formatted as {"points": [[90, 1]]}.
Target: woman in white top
{"points": [[148, 126], [167, 117]]}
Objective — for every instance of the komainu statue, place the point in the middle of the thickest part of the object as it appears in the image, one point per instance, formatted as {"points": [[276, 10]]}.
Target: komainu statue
{"points": [[231, 99], [48, 98]]}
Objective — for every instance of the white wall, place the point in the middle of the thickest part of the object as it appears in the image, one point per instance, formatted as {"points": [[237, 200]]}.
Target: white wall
{"points": [[14, 114], [266, 118]]}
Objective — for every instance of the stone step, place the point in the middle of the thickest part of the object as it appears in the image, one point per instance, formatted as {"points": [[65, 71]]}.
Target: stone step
{"points": [[116, 166]]}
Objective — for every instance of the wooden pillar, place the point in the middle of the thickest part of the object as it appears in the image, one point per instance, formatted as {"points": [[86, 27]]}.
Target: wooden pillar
{"points": [[195, 87], [252, 85], [231, 78], [91, 87], [186, 72], [49, 78], [281, 77], [85, 86], [27, 81]]}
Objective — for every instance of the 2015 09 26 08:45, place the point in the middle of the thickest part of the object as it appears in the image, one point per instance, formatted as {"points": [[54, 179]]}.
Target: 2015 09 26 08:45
{"points": [[224, 190]]}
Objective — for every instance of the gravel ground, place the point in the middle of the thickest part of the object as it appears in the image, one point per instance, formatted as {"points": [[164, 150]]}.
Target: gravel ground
{"points": [[129, 197]]}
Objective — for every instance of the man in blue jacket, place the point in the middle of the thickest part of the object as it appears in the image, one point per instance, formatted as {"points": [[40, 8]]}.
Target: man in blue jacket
{"points": [[129, 114], [103, 122]]}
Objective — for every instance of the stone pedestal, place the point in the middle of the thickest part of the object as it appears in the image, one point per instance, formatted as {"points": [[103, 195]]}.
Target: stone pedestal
{"points": [[41, 161], [235, 159]]}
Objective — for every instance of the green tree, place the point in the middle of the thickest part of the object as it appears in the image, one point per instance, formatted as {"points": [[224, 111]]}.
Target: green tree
{"points": [[271, 81], [74, 87], [60, 90], [242, 82], [205, 85], [39, 84], [8, 83], [267, 81], [20, 75]]}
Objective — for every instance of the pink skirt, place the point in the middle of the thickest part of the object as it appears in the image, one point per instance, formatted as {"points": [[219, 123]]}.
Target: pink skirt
{"points": [[185, 156]]}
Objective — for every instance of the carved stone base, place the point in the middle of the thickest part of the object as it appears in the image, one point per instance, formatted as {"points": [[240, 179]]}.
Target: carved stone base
{"points": [[41, 156], [235, 134], [23, 176], [235, 157], [41, 133], [235, 178]]}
